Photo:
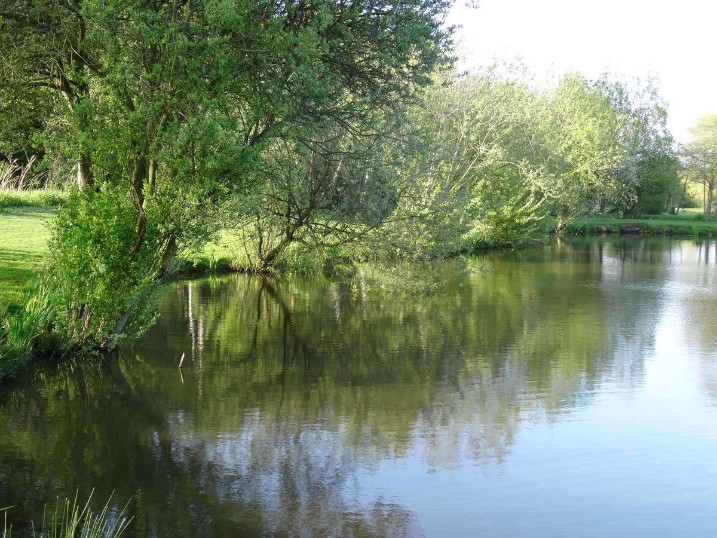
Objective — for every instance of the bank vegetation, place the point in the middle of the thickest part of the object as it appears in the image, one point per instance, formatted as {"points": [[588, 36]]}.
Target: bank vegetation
{"points": [[296, 135]]}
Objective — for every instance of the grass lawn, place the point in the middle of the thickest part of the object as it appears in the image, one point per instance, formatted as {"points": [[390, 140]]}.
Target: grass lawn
{"points": [[24, 233], [686, 223], [221, 254]]}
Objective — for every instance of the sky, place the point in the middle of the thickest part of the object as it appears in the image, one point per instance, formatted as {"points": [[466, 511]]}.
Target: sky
{"points": [[675, 41]]}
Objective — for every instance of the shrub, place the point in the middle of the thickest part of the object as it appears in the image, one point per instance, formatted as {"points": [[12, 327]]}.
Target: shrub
{"points": [[100, 283]]}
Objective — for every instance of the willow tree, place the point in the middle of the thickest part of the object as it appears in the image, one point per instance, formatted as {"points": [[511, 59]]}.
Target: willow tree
{"points": [[612, 151], [166, 107], [319, 192], [497, 153], [470, 149]]}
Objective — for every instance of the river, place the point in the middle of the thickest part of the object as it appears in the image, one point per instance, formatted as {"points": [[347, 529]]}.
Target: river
{"points": [[565, 390]]}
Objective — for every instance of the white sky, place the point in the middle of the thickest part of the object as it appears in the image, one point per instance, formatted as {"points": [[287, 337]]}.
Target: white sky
{"points": [[676, 41]]}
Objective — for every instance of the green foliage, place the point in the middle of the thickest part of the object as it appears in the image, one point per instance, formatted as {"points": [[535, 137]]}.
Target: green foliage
{"points": [[32, 198], [466, 162], [26, 330], [325, 190], [512, 223], [659, 185], [163, 106], [100, 278], [497, 155], [581, 133], [700, 159], [606, 139]]}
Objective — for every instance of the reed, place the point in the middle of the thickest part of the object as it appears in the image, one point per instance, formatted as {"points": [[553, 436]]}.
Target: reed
{"points": [[71, 519]]}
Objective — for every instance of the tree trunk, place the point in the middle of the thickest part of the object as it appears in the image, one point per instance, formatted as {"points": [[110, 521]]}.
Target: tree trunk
{"points": [[268, 258], [139, 178], [170, 249], [708, 204], [111, 339], [84, 161], [85, 178]]}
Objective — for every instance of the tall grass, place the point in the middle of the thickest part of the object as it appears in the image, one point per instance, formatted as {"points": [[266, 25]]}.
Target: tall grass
{"points": [[32, 198], [19, 332], [72, 520]]}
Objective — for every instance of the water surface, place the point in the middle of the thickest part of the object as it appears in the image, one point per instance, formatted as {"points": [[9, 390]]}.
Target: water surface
{"points": [[569, 390]]}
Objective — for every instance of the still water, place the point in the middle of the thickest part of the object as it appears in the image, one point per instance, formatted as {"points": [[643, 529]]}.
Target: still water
{"points": [[569, 390]]}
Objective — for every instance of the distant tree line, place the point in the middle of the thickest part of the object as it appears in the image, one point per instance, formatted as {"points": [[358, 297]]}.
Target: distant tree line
{"points": [[481, 159]]}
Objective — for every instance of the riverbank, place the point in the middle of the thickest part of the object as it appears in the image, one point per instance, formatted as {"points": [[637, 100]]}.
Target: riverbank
{"points": [[685, 224], [26, 231]]}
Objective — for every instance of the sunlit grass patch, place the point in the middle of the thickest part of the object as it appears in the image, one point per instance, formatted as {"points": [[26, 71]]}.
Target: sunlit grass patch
{"points": [[24, 233], [32, 198], [222, 253]]}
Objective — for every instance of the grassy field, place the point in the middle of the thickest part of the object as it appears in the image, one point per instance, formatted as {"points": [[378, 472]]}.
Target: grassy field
{"points": [[220, 255], [24, 233]]}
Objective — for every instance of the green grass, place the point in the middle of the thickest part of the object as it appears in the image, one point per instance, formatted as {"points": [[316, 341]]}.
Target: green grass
{"points": [[692, 212], [686, 223], [24, 233], [32, 198], [220, 255]]}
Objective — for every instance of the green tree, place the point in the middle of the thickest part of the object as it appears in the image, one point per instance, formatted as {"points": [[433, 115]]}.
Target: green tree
{"points": [[473, 165], [166, 108], [700, 158], [659, 184], [650, 167], [323, 190], [497, 153], [582, 134]]}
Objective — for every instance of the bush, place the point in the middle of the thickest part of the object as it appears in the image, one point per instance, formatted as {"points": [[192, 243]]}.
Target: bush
{"points": [[25, 331], [99, 282]]}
